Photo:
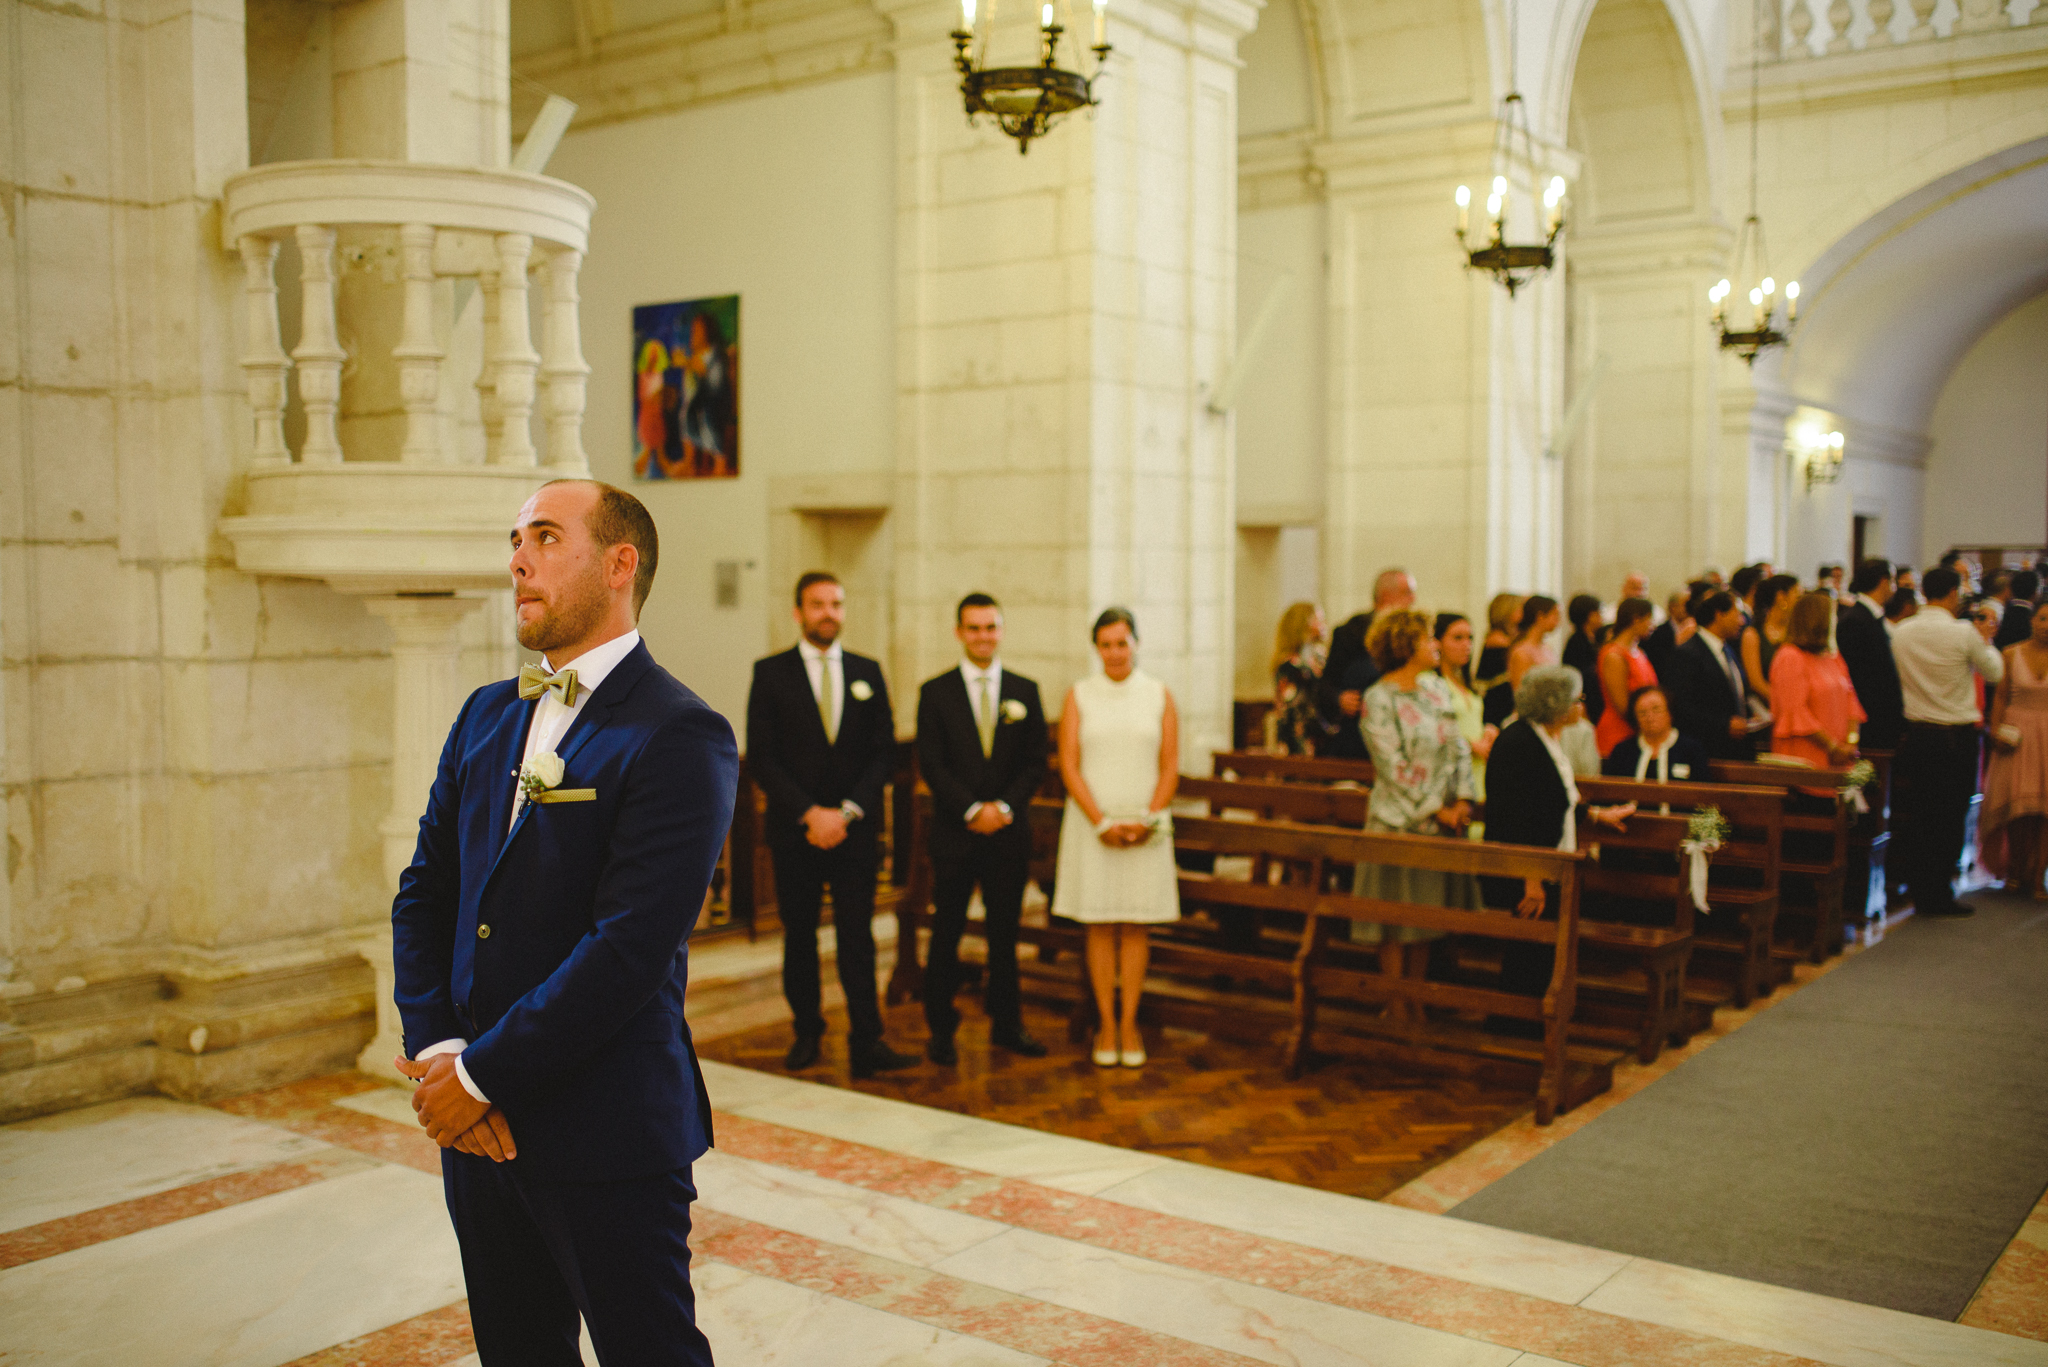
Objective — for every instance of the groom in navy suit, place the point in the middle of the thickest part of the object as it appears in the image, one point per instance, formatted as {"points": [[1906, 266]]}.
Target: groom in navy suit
{"points": [[541, 945]]}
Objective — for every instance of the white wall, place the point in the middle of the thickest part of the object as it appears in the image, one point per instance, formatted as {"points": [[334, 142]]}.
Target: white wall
{"points": [[1281, 417], [688, 207], [1987, 476]]}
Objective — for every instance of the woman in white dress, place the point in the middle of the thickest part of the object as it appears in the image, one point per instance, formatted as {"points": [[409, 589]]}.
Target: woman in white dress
{"points": [[1120, 758]]}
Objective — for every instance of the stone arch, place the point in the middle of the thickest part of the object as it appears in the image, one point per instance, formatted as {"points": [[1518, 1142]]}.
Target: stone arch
{"points": [[1632, 92], [1396, 62]]}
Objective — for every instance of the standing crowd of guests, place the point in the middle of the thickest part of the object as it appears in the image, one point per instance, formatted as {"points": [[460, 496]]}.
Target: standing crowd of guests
{"points": [[1758, 666]]}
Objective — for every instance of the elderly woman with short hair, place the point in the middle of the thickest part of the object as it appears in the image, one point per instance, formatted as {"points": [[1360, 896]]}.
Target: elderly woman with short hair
{"points": [[1532, 798]]}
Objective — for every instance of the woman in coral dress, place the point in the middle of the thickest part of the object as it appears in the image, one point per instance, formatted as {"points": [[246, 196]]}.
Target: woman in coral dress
{"points": [[1624, 668], [2015, 817], [1816, 705]]}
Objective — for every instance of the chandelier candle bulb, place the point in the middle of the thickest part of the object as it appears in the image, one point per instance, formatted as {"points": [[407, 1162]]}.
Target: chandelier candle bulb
{"points": [[1045, 16], [1101, 23], [1464, 209], [967, 16], [1791, 301]]}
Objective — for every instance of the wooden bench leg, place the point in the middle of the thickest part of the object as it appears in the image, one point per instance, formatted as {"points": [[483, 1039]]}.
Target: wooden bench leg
{"points": [[1657, 1012], [1300, 1040], [1550, 1088]]}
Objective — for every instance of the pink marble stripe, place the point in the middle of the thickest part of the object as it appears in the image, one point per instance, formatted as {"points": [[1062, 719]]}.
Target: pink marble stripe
{"points": [[308, 1108], [1508, 1318], [430, 1340], [2014, 1296], [1069, 1337], [32, 1243]]}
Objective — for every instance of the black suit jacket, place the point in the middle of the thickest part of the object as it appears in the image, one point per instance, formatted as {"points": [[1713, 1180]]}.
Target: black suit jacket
{"points": [[2016, 626], [1702, 703], [950, 760], [1660, 647], [1867, 649], [1621, 761], [788, 755], [1348, 669], [1526, 801]]}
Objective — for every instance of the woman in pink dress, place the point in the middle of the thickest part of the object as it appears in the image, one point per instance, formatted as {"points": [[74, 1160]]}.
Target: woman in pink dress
{"points": [[2015, 816], [1623, 669], [1815, 703]]}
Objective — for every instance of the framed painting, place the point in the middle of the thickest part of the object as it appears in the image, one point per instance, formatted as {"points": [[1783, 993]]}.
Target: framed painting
{"points": [[686, 388]]}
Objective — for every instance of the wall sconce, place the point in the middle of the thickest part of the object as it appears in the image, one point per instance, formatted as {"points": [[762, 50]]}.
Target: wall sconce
{"points": [[1819, 451]]}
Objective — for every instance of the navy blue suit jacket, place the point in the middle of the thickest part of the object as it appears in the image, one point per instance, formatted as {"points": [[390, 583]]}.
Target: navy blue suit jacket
{"points": [[573, 1002]]}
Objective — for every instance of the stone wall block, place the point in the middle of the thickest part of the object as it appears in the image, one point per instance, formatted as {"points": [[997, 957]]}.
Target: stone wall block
{"points": [[71, 497], [70, 319], [88, 604], [63, 101], [321, 868], [286, 619], [92, 887], [97, 720], [13, 475], [276, 715]]}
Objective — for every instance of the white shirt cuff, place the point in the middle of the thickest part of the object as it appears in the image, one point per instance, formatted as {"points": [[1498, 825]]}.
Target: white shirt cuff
{"points": [[455, 1047], [972, 810]]}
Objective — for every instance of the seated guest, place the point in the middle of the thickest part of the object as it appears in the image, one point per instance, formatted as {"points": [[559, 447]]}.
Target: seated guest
{"points": [[1624, 668], [1299, 653], [1533, 799], [1709, 697], [1816, 704], [1423, 784], [1656, 753], [1676, 629], [1582, 649]]}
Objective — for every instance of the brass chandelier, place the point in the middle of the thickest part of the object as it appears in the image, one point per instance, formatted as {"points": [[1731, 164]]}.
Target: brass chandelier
{"points": [[1512, 264], [1753, 259], [1024, 100]]}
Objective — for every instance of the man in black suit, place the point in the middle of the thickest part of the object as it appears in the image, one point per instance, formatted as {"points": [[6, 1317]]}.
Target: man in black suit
{"points": [[819, 742], [1866, 648], [1709, 699], [1349, 671], [2018, 624], [981, 743]]}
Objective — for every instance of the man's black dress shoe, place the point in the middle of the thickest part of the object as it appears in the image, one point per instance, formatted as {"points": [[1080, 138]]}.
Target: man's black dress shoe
{"points": [[879, 1058], [802, 1054], [1021, 1044], [941, 1051]]}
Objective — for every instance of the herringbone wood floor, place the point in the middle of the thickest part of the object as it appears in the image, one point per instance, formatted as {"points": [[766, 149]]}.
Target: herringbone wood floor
{"points": [[1347, 1126]]}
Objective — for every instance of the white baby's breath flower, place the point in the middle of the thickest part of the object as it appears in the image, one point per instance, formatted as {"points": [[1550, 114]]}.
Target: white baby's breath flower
{"points": [[860, 690]]}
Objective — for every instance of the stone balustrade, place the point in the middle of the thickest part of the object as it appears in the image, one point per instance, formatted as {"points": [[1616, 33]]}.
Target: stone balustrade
{"points": [[1809, 28]]}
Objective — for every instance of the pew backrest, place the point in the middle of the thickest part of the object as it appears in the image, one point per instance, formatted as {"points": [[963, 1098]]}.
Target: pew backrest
{"points": [[1303, 803], [1258, 765]]}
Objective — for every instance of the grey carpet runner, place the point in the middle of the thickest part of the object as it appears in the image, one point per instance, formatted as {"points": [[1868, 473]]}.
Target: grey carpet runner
{"points": [[1879, 1136]]}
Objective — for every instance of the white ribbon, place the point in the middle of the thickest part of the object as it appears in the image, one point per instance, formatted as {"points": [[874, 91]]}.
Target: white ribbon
{"points": [[1699, 850]]}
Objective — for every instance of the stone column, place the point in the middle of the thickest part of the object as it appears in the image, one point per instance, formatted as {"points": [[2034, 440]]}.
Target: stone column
{"points": [[1444, 391], [425, 653], [1061, 316]]}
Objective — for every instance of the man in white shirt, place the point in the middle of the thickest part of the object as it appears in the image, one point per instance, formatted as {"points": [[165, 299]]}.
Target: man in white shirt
{"points": [[1938, 658]]}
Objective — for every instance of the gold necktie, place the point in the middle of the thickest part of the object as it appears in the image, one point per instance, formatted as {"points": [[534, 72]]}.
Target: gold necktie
{"points": [[985, 718], [828, 697], [534, 681]]}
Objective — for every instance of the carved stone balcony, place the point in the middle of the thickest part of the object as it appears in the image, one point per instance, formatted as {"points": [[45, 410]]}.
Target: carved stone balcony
{"points": [[432, 520]]}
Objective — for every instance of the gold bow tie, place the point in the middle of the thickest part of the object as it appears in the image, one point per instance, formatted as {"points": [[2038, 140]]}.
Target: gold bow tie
{"points": [[534, 681]]}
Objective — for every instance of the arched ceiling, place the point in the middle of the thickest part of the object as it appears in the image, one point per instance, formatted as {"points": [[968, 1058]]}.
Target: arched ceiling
{"points": [[1635, 118], [1895, 304]]}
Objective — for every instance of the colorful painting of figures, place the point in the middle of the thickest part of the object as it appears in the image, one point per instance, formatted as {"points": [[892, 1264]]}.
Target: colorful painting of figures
{"points": [[686, 387]]}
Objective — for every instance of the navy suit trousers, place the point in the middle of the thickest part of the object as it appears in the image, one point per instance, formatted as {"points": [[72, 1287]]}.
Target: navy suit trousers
{"points": [[536, 1255]]}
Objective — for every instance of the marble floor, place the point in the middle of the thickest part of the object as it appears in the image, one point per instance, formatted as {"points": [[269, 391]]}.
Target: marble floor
{"points": [[304, 1226]]}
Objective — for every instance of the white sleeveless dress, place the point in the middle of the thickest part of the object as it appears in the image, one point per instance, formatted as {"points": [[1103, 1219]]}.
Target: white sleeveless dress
{"points": [[1121, 726]]}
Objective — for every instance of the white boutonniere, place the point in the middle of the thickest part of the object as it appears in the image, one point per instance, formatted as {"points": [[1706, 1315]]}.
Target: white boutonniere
{"points": [[540, 777], [1013, 710], [860, 690], [1681, 771]]}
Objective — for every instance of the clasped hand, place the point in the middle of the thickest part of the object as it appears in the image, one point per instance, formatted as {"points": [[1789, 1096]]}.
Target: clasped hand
{"points": [[452, 1117], [1124, 834], [988, 819], [825, 827]]}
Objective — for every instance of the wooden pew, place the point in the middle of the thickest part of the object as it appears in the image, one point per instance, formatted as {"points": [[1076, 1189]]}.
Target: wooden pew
{"points": [[1326, 970], [1302, 803], [1816, 861], [1743, 891], [1258, 765]]}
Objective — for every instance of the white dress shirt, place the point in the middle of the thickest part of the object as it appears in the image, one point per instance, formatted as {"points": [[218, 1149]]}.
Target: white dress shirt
{"points": [[975, 677], [551, 720], [1936, 655], [1569, 841]]}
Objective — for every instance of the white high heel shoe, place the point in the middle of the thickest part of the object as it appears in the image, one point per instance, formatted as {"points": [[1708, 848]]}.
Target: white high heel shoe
{"points": [[1106, 1058], [1132, 1058]]}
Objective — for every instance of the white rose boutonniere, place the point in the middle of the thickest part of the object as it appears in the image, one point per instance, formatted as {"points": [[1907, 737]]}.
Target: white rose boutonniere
{"points": [[540, 777], [861, 690], [1013, 710]]}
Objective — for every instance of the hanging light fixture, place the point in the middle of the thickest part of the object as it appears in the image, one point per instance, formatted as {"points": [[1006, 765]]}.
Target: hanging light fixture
{"points": [[1817, 451], [1512, 264], [1753, 259], [1025, 100]]}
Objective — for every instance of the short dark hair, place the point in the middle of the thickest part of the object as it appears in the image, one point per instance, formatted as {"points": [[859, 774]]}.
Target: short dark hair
{"points": [[1939, 582], [1812, 616], [1712, 606], [1583, 606], [2025, 584], [1900, 604], [619, 519], [1744, 580], [1870, 574], [1950, 558], [810, 577], [1998, 581], [1827, 568], [974, 600], [1631, 611], [1109, 618], [1628, 713]]}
